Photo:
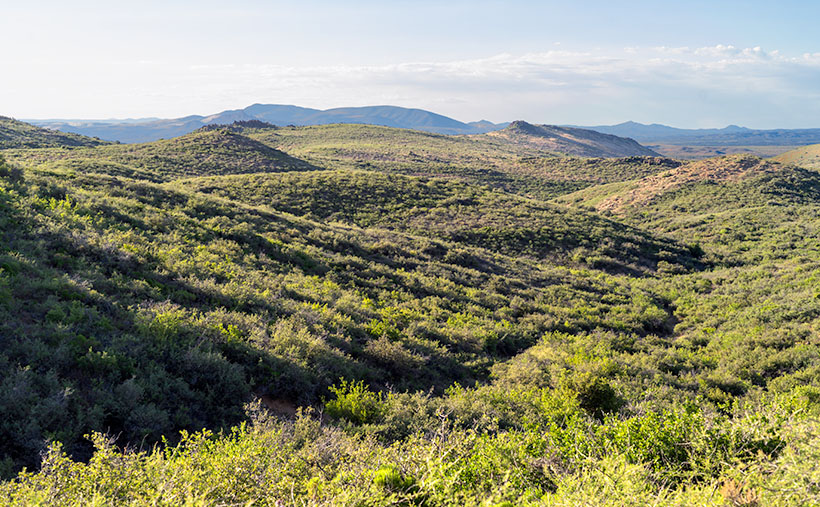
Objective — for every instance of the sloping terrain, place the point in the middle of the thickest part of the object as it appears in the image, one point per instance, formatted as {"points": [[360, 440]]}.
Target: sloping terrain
{"points": [[357, 315], [17, 134], [729, 170], [805, 156], [689, 152], [496, 161], [205, 152], [447, 210], [146, 309], [571, 141]]}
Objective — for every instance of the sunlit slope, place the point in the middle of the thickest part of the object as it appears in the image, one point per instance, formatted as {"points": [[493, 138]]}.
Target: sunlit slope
{"points": [[453, 211], [805, 156], [570, 141], [134, 308], [710, 184], [484, 159], [204, 152], [18, 134]]}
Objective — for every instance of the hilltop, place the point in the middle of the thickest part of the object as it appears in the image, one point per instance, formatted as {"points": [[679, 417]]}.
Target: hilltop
{"points": [[727, 170], [805, 156], [204, 152], [17, 134], [571, 141]]}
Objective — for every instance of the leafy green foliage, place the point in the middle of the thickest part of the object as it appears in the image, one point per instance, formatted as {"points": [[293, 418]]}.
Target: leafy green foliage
{"points": [[499, 348], [355, 403]]}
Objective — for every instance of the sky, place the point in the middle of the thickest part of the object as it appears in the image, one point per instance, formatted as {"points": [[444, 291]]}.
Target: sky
{"points": [[692, 64]]}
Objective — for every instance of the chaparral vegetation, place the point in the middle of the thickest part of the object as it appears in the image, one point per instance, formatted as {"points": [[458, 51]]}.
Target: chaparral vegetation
{"points": [[362, 315]]}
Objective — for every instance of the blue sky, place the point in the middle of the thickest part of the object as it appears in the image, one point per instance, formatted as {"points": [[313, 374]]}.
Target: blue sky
{"points": [[688, 64]]}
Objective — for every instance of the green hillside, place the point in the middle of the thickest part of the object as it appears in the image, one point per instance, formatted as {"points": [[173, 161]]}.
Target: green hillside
{"points": [[131, 287], [204, 152], [18, 134], [733, 180], [354, 315], [448, 210], [492, 160]]}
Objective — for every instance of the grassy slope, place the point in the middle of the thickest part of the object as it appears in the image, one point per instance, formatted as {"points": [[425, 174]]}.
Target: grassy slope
{"points": [[480, 159], [448, 210], [17, 134], [698, 152], [247, 149], [204, 152], [740, 177], [147, 309]]}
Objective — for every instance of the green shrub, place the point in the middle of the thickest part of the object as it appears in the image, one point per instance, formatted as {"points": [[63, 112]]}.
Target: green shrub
{"points": [[392, 480], [354, 402], [595, 393]]}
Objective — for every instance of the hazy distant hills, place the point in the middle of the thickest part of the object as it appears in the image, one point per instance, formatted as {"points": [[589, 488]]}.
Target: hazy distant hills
{"points": [[727, 136], [151, 129]]}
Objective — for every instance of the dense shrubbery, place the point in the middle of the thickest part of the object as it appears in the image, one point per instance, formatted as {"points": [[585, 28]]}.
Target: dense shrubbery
{"points": [[496, 349], [566, 461]]}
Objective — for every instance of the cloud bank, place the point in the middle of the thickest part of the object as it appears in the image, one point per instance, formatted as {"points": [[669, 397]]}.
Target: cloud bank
{"points": [[690, 87]]}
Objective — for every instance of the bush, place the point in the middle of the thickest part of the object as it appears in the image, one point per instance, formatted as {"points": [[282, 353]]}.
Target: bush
{"points": [[595, 394], [355, 403]]}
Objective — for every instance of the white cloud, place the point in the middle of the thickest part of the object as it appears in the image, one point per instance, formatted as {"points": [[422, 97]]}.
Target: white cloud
{"points": [[707, 86]]}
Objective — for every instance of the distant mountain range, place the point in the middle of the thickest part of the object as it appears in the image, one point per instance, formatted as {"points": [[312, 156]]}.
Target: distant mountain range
{"points": [[727, 136], [152, 129]]}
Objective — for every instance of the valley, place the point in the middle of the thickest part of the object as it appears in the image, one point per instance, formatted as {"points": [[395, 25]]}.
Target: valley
{"points": [[355, 314]]}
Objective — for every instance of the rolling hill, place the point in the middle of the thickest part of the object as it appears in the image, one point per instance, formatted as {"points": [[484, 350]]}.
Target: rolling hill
{"points": [[207, 151], [147, 309], [18, 134], [506, 163], [729, 170], [365, 315], [805, 156], [571, 141], [450, 211]]}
